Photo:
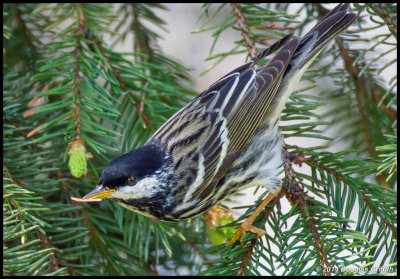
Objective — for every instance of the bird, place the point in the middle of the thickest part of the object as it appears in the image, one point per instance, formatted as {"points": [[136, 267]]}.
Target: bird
{"points": [[225, 140]]}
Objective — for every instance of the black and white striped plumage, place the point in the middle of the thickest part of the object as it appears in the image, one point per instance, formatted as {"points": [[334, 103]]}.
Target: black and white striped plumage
{"points": [[226, 139]]}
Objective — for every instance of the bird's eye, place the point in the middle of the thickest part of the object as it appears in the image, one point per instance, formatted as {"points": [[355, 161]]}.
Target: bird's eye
{"points": [[131, 180]]}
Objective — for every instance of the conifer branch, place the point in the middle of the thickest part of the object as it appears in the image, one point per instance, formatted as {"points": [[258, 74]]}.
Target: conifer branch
{"points": [[22, 24], [94, 236], [327, 169], [144, 47], [363, 196]]}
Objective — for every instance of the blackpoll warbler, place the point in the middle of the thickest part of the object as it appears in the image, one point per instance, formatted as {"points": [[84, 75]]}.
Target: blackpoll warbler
{"points": [[225, 140]]}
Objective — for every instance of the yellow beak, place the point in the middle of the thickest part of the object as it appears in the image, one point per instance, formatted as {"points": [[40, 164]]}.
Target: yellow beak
{"points": [[100, 192]]}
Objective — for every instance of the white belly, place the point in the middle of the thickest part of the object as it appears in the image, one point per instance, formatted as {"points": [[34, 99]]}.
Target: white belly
{"points": [[266, 167]]}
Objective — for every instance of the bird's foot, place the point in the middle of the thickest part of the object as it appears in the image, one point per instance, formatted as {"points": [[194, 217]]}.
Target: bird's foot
{"points": [[247, 225], [241, 231]]}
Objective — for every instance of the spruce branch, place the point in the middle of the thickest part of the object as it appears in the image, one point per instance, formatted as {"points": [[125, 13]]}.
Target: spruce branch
{"points": [[364, 197], [391, 112], [20, 20], [93, 38], [54, 261], [142, 45]]}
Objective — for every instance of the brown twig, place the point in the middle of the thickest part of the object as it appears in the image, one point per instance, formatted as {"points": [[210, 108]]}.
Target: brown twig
{"points": [[247, 256], [28, 37], [389, 111], [143, 44], [288, 167], [360, 89], [296, 193], [47, 244], [327, 169], [376, 212], [274, 27], [360, 83], [78, 33], [304, 201], [390, 22], [250, 45]]}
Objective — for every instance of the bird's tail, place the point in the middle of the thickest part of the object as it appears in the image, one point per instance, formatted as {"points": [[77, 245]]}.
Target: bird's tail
{"points": [[333, 23]]}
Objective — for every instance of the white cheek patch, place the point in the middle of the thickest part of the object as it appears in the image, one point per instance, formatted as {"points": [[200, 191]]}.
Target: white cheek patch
{"points": [[144, 188]]}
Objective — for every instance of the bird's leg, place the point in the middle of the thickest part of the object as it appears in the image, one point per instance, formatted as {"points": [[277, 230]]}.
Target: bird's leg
{"points": [[247, 225]]}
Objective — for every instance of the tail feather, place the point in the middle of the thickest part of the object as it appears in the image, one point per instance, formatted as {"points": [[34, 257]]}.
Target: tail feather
{"points": [[338, 8], [333, 23]]}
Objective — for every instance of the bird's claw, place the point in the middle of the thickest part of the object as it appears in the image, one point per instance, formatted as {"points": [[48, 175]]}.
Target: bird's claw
{"points": [[241, 232]]}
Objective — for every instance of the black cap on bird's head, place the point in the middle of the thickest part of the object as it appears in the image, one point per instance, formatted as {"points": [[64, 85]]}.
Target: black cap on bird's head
{"points": [[127, 170]]}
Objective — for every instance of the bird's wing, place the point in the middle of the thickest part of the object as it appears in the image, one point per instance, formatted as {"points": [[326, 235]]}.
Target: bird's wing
{"points": [[218, 123], [242, 104]]}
